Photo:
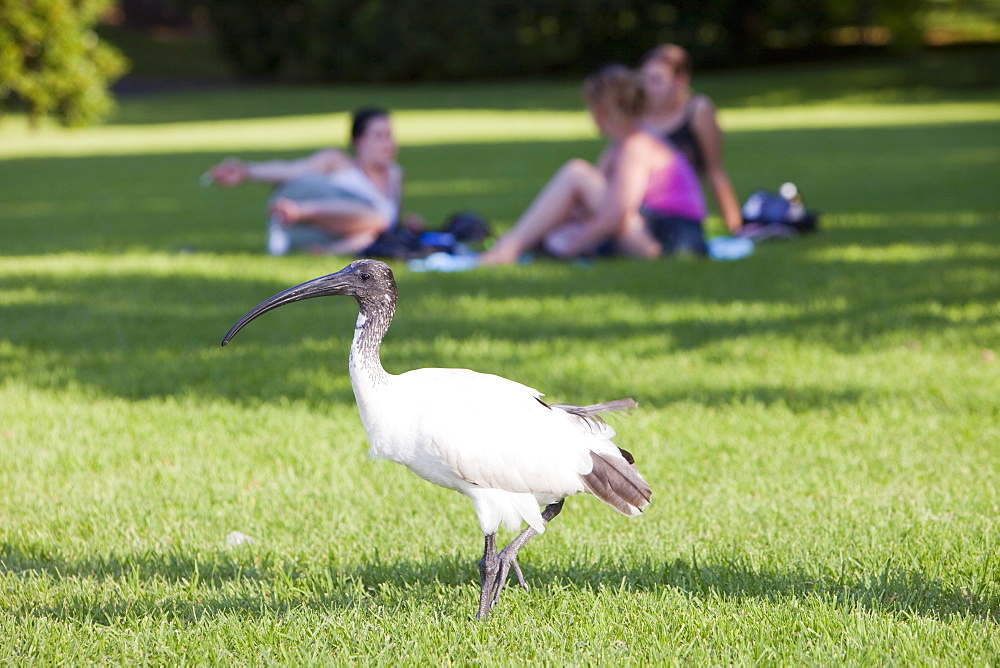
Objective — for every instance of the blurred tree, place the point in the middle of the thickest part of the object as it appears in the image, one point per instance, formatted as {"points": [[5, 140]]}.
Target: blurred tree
{"points": [[53, 63], [398, 40]]}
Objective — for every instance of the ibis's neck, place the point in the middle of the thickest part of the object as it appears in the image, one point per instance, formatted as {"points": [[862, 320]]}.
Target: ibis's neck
{"points": [[373, 323]]}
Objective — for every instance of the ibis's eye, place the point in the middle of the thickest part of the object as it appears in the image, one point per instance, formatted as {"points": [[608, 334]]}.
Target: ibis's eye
{"points": [[365, 276]]}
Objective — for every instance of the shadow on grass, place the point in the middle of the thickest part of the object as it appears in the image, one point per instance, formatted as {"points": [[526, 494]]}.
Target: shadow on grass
{"points": [[138, 336], [890, 590], [251, 585]]}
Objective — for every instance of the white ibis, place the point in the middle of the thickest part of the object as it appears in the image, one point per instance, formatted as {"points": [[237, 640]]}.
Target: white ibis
{"points": [[490, 438]]}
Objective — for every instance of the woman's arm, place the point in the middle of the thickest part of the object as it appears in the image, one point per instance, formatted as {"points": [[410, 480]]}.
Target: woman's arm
{"points": [[233, 171], [709, 135]]}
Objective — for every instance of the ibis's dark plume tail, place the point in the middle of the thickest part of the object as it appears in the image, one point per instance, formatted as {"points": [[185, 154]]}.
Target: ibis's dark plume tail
{"points": [[332, 284], [618, 483]]}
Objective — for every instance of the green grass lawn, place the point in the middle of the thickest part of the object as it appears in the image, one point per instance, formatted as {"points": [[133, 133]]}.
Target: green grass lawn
{"points": [[819, 422]]}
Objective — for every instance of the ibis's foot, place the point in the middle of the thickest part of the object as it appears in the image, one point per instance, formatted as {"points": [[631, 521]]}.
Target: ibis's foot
{"points": [[494, 568], [520, 575], [508, 560]]}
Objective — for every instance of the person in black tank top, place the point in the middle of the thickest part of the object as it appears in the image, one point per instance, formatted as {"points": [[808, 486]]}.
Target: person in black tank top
{"points": [[685, 141], [689, 123]]}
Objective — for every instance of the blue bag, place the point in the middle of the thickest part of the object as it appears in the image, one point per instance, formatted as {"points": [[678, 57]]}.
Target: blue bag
{"points": [[785, 207]]}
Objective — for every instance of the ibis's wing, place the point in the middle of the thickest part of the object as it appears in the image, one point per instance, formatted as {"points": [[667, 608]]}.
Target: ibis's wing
{"points": [[497, 433]]}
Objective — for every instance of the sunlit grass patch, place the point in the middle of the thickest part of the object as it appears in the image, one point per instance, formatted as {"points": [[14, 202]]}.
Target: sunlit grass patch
{"points": [[419, 128], [909, 252]]}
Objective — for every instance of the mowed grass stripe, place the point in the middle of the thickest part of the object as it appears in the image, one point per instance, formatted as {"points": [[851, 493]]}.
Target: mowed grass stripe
{"points": [[441, 127]]}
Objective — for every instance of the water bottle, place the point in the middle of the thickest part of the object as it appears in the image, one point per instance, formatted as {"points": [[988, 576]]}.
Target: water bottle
{"points": [[790, 192], [278, 241]]}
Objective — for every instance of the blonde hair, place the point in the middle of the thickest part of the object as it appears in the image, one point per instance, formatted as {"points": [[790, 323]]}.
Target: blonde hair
{"points": [[674, 56], [617, 89]]}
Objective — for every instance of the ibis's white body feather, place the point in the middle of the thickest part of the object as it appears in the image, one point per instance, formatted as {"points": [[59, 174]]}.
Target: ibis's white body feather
{"points": [[485, 436]]}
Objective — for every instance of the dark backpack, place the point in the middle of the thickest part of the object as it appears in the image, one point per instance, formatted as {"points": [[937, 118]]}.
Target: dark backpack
{"points": [[461, 231]]}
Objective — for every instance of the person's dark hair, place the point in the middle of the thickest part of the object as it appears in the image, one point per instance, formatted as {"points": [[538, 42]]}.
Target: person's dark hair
{"points": [[362, 117], [676, 57]]}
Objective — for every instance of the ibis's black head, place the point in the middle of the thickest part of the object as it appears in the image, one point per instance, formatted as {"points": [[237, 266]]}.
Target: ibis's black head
{"points": [[369, 281]]}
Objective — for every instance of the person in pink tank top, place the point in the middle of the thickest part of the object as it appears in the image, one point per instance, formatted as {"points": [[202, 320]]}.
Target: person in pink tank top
{"points": [[632, 202]]}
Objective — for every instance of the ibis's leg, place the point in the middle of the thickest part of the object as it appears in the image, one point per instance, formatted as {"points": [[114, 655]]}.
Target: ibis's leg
{"points": [[507, 558], [488, 567]]}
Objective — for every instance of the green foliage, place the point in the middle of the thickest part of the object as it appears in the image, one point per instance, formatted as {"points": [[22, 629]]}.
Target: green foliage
{"points": [[376, 40], [52, 61], [819, 420]]}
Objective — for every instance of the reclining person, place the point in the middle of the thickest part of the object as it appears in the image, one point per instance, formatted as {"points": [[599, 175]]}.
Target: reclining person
{"points": [[331, 201]]}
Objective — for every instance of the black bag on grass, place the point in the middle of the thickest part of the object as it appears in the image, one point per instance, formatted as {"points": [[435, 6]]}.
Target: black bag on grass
{"points": [[461, 231]]}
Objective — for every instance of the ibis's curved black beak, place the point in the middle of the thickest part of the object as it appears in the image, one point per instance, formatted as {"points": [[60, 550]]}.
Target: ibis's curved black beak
{"points": [[332, 284]]}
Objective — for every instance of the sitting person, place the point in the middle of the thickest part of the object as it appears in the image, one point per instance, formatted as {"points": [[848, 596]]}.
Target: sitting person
{"points": [[330, 201], [642, 199], [689, 123]]}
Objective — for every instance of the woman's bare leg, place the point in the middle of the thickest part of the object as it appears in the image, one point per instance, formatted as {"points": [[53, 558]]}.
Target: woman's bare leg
{"points": [[354, 232], [562, 241], [368, 223], [355, 225], [577, 184]]}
